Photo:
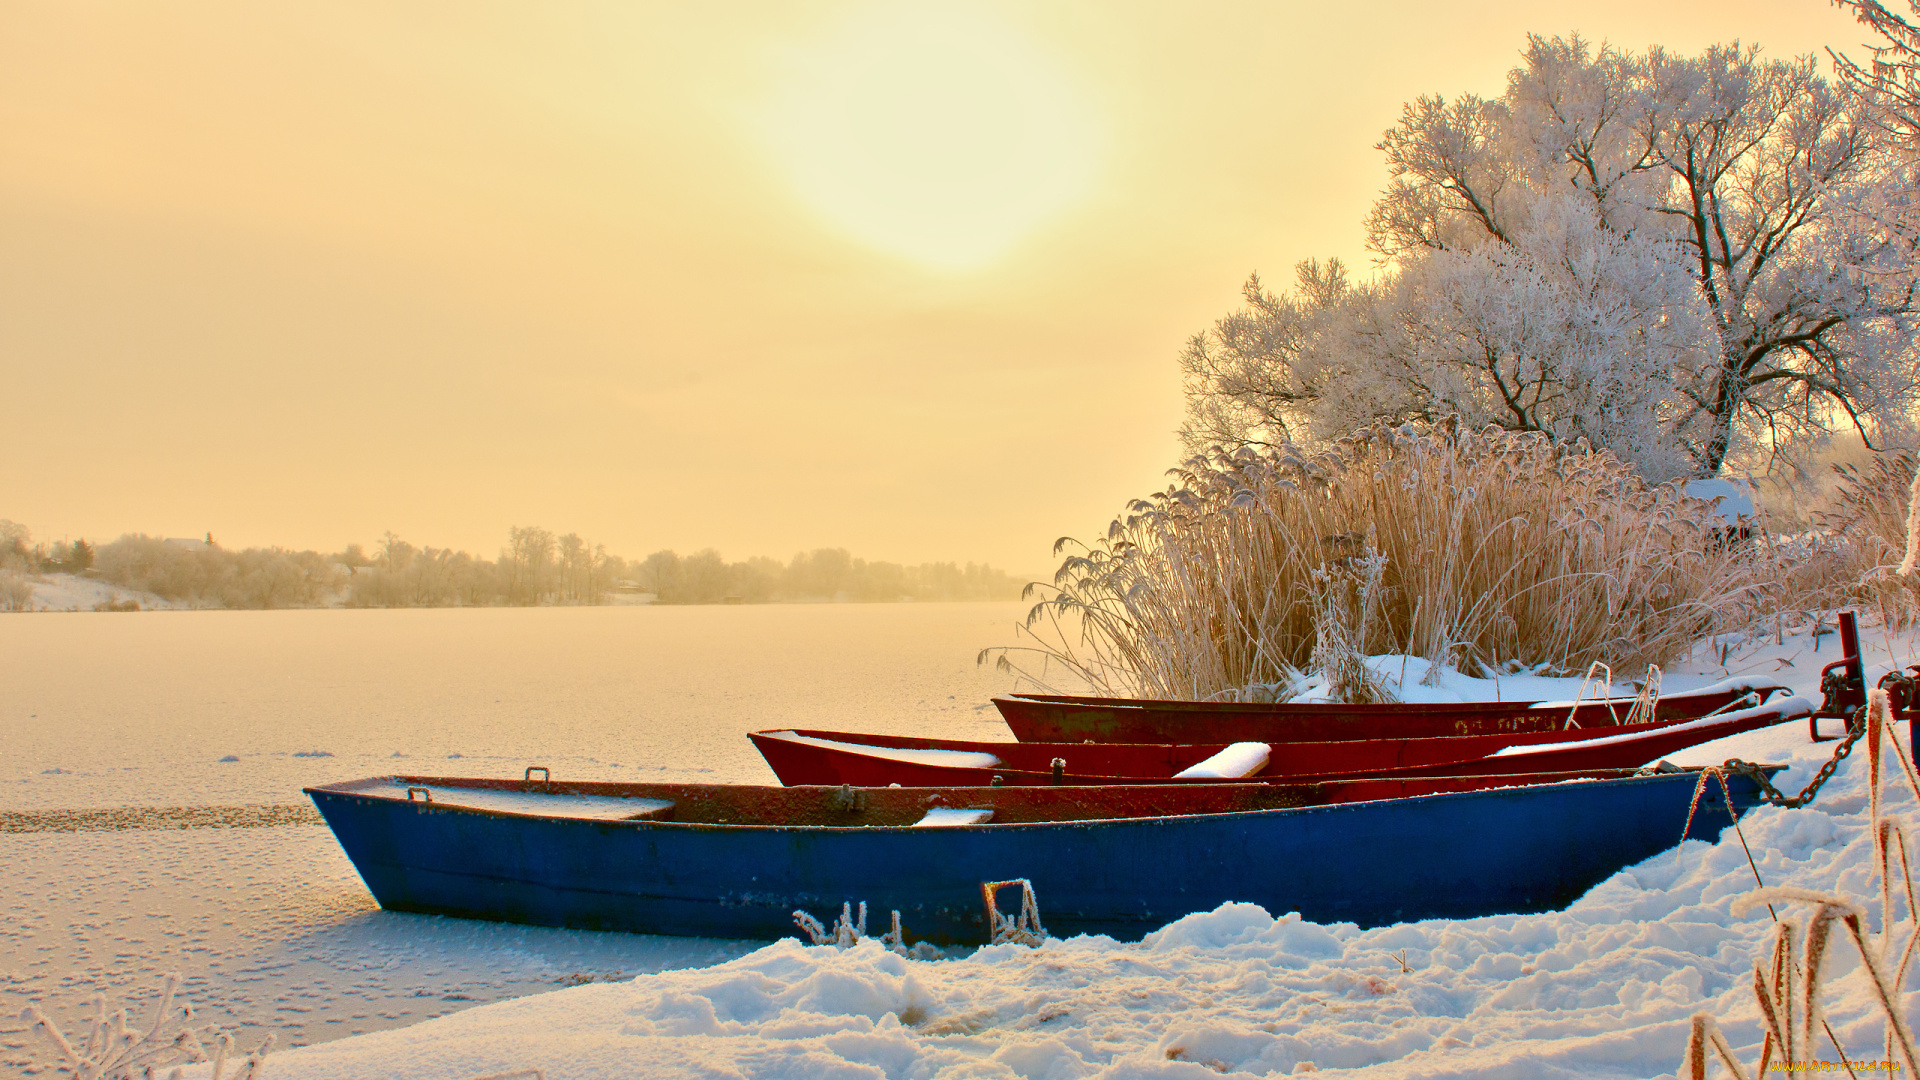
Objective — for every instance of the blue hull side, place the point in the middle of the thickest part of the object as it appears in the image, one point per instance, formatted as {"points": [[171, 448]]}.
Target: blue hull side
{"points": [[1375, 863]]}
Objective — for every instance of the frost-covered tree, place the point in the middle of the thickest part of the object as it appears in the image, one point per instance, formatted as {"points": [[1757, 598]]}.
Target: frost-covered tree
{"points": [[1571, 330], [1890, 82], [1662, 254], [1888, 204], [528, 563]]}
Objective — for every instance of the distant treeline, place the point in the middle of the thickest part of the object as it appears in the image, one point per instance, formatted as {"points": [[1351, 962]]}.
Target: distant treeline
{"points": [[534, 568]]}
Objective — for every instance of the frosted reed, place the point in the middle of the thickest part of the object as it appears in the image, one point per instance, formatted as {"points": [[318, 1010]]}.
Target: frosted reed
{"points": [[1494, 547]]}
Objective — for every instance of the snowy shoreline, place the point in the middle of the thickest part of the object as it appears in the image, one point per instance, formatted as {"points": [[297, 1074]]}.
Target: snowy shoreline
{"points": [[1604, 988], [72, 592]]}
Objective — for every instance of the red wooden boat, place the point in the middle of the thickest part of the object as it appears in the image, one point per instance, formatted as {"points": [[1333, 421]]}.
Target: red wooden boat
{"points": [[1070, 719], [829, 757]]}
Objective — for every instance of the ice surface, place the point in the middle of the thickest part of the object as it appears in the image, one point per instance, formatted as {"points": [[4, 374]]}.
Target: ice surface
{"points": [[140, 708], [272, 931], [1239, 759]]}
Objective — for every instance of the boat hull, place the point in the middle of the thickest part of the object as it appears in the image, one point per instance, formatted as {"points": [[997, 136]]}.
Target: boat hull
{"points": [[1517, 849], [1062, 718], [825, 757]]}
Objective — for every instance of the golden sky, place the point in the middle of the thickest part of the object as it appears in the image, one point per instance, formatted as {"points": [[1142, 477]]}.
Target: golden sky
{"points": [[907, 278]]}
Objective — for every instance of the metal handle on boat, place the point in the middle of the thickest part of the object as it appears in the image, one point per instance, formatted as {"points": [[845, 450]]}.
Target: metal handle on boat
{"points": [[546, 776], [426, 794]]}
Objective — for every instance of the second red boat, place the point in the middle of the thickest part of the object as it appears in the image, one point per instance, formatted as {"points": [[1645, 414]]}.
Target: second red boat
{"points": [[831, 757], [1069, 719]]}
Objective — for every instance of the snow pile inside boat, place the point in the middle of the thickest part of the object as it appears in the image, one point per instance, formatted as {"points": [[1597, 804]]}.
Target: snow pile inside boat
{"points": [[951, 759], [955, 815], [1733, 684], [558, 804], [1783, 706], [1238, 760], [1603, 989], [1413, 679]]}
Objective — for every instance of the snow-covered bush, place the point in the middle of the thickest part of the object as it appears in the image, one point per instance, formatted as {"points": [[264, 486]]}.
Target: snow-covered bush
{"points": [[114, 1049], [1497, 546], [16, 592], [16, 562]]}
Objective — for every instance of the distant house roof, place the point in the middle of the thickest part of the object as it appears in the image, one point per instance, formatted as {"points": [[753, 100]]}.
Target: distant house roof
{"points": [[1732, 498]]}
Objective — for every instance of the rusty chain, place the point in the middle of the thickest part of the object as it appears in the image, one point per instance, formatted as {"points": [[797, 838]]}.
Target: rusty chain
{"points": [[1856, 728]]}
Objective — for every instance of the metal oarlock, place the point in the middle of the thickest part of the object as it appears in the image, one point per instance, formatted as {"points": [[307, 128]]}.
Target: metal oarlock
{"points": [[851, 931], [1903, 693], [1023, 928]]}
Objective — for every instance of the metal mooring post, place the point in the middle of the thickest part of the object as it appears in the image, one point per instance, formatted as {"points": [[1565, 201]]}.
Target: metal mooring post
{"points": [[1843, 683], [1850, 650]]}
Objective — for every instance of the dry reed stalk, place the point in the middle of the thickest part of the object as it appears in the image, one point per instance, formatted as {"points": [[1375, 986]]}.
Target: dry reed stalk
{"points": [[1788, 988], [1912, 559], [1346, 602], [1867, 554], [1706, 1035], [1497, 545]]}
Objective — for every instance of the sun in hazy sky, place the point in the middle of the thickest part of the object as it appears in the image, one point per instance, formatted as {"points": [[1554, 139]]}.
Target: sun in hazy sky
{"points": [[766, 276], [935, 132]]}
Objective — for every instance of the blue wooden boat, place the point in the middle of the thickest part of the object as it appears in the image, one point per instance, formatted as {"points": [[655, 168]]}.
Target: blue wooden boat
{"points": [[737, 861]]}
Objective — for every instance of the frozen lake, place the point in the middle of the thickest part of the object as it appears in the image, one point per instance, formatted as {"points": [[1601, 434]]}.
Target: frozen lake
{"points": [[267, 923]]}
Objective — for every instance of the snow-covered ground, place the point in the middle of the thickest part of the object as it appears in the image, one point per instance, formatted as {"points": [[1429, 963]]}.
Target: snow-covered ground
{"points": [[1603, 989], [71, 592]]}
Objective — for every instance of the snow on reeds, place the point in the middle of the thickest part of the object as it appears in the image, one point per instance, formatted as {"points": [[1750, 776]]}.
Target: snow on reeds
{"points": [[1494, 547], [113, 1049], [1863, 551]]}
